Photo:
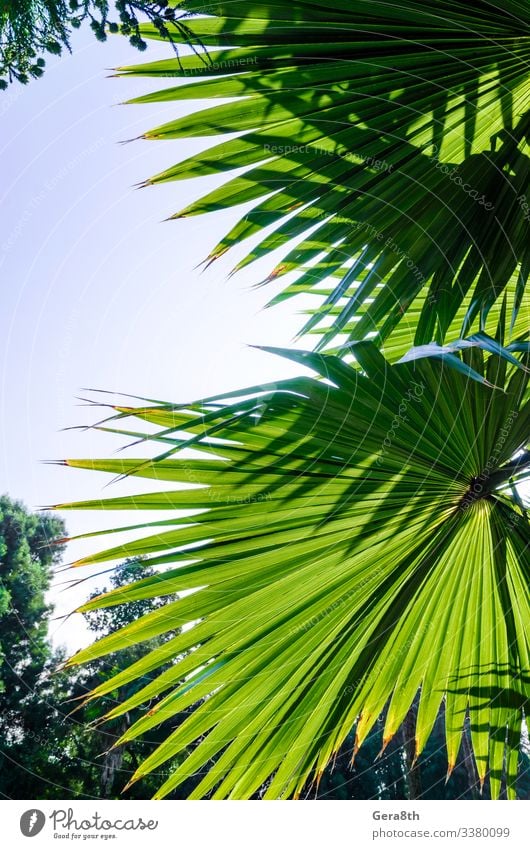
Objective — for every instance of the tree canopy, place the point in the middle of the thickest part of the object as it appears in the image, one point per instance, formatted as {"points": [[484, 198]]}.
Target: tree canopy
{"points": [[30, 29], [27, 556]]}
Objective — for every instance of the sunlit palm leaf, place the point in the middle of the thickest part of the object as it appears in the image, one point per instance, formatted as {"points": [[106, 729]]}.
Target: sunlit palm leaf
{"points": [[389, 140], [357, 544], [510, 320]]}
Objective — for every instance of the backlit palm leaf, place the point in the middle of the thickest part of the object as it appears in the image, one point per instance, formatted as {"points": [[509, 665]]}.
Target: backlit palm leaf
{"points": [[356, 542], [389, 140]]}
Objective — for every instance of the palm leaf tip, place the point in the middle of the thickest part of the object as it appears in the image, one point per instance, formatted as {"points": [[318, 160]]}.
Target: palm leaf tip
{"points": [[336, 572]]}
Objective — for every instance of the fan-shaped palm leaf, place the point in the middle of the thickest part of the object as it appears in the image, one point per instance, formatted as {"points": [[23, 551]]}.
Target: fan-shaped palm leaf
{"points": [[389, 140], [356, 542]]}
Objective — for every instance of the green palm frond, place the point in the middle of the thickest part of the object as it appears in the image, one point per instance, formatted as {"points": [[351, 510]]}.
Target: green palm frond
{"points": [[390, 141], [356, 543]]}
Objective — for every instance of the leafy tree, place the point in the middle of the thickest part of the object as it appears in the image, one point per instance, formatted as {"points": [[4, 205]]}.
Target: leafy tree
{"points": [[28, 553], [27, 556], [29, 29], [36, 756], [52, 752], [363, 544]]}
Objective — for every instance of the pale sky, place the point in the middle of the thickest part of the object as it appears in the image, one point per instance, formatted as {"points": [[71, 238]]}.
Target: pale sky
{"points": [[97, 292]]}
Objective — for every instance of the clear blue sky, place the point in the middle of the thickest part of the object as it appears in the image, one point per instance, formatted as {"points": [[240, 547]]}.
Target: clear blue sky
{"points": [[97, 292]]}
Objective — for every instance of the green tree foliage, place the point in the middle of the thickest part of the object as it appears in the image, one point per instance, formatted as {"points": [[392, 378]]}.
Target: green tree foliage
{"points": [[27, 557], [50, 750], [29, 29]]}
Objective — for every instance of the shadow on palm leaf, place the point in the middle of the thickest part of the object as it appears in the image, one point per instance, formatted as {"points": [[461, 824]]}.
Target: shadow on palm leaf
{"points": [[337, 111]]}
